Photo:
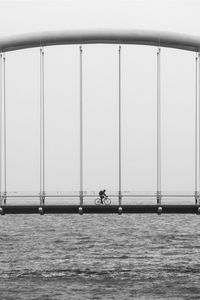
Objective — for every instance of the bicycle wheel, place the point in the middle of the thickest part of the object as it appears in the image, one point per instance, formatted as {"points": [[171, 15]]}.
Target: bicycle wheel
{"points": [[98, 201], [107, 201]]}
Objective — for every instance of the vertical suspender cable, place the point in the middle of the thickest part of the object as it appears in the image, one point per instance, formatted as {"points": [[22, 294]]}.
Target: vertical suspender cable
{"points": [[1, 89], [198, 93], [4, 125], [120, 193], [81, 127], [41, 125], [196, 125], [158, 130], [42, 158]]}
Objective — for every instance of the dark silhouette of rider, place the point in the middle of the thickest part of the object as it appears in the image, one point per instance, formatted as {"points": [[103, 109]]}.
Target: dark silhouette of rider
{"points": [[102, 195]]}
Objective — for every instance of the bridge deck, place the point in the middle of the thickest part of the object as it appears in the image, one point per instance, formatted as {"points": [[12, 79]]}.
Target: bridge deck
{"points": [[100, 209]]}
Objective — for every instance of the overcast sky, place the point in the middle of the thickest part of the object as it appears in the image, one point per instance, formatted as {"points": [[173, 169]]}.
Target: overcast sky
{"points": [[26, 16], [100, 96]]}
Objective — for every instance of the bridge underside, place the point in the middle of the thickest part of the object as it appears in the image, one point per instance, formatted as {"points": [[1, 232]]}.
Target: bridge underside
{"points": [[100, 209]]}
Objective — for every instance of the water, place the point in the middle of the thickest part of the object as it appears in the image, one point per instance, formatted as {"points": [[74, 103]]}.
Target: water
{"points": [[99, 257]]}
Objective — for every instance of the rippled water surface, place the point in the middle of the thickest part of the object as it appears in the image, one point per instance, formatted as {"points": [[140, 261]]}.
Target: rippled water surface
{"points": [[99, 257]]}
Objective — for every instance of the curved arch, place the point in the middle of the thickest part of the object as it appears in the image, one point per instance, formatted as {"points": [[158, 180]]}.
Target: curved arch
{"points": [[139, 37]]}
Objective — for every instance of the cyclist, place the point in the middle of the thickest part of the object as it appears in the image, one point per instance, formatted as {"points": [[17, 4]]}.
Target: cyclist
{"points": [[102, 195]]}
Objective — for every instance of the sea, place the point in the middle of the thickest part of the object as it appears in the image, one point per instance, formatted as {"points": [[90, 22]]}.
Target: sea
{"points": [[126, 256]]}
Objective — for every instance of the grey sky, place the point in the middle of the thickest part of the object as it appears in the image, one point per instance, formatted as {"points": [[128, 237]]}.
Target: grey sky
{"points": [[25, 16], [100, 96]]}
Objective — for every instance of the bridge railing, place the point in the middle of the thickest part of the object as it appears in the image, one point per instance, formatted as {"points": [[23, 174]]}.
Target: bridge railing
{"points": [[95, 194]]}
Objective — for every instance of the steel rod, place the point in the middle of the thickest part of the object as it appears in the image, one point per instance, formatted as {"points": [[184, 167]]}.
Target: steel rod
{"points": [[42, 153], [4, 126], [120, 158], [1, 91], [158, 130], [198, 100], [81, 126], [196, 129]]}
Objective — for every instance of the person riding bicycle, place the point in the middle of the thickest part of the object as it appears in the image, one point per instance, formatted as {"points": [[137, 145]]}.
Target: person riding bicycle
{"points": [[102, 195]]}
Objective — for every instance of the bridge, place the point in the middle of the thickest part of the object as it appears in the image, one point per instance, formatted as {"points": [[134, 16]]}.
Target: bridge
{"points": [[118, 37]]}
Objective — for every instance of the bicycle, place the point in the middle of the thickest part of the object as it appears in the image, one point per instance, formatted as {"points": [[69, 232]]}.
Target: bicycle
{"points": [[105, 200]]}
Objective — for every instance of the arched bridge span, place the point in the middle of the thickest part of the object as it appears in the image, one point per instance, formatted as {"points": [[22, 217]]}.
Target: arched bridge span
{"points": [[139, 37]]}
